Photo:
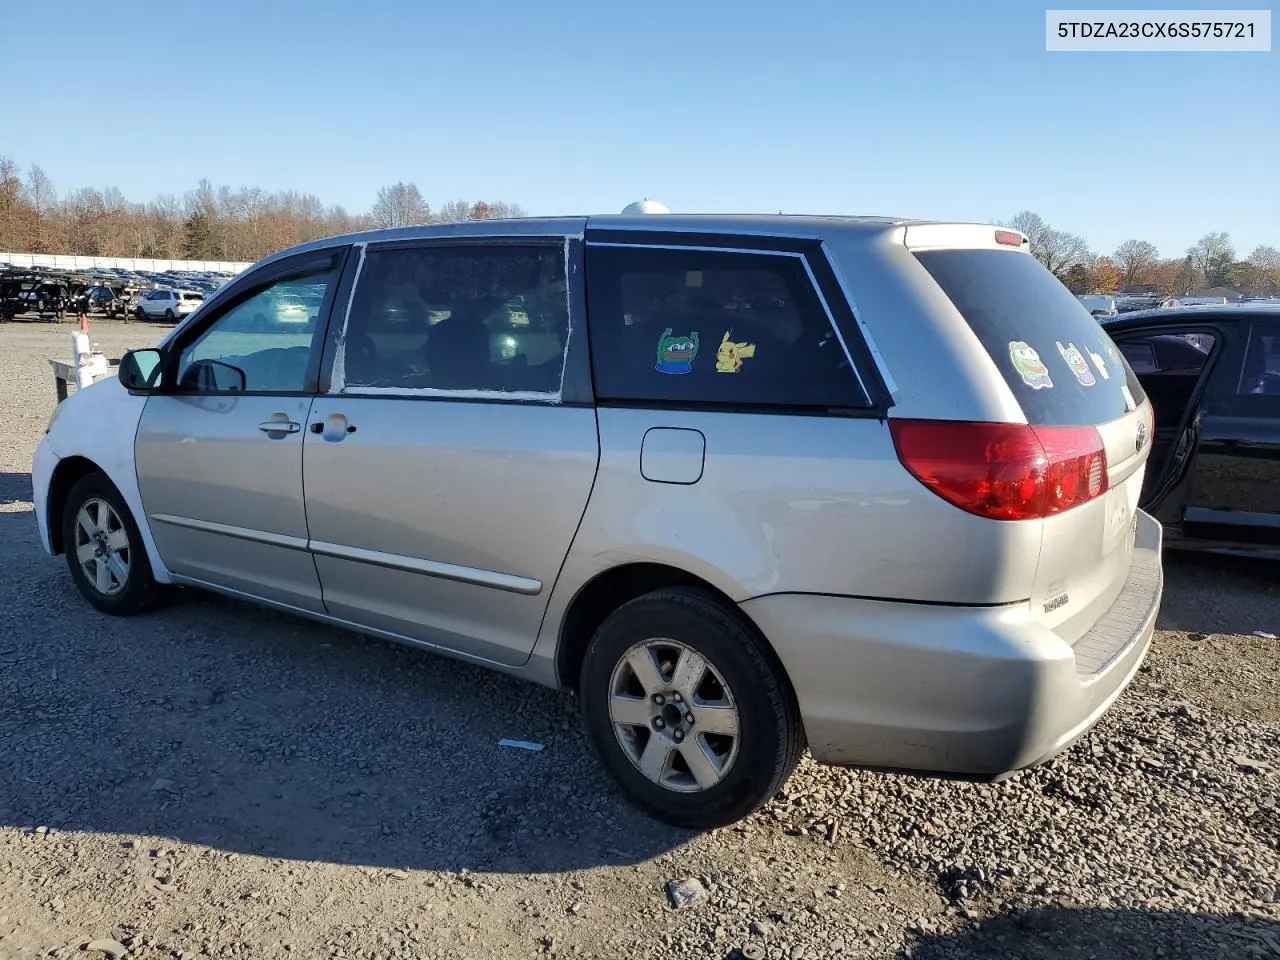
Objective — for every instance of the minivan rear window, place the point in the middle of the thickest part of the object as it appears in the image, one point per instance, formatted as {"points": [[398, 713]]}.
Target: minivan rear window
{"points": [[1053, 354]]}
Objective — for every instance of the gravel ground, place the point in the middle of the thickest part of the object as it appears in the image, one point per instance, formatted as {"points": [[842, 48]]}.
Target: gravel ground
{"points": [[215, 780]]}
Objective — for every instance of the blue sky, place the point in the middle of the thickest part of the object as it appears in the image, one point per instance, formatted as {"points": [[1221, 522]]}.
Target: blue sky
{"points": [[948, 109]]}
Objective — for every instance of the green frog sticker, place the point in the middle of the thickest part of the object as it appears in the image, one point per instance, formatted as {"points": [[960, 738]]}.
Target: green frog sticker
{"points": [[675, 354], [1029, 365]]}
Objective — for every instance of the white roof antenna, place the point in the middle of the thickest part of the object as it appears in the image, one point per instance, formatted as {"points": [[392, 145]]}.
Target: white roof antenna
{"points": [[644, 206]]}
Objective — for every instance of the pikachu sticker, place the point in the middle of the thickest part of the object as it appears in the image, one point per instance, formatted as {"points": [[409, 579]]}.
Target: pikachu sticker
{"points": [[730, 355]]}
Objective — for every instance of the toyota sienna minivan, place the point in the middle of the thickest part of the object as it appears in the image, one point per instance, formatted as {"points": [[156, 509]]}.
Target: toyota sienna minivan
{"points": [[745, 484]]}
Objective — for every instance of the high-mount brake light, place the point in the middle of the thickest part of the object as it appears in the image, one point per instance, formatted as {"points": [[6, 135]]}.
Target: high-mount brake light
{"points": [[1009, 238], [1004, 471]]}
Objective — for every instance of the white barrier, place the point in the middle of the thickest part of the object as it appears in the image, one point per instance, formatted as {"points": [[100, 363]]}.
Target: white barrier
{"points": [[60, 261]]}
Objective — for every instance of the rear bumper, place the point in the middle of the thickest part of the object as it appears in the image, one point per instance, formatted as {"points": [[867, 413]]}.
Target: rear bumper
{"points": [[962, 691]]}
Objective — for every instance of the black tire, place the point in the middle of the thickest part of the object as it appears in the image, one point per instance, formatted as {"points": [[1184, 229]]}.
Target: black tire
{"points": [[140, 313], [168, 315], [770, 734], [139, 592]]}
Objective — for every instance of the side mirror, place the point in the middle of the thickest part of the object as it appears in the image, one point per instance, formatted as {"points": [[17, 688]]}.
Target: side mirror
{"points": [[140, 370]]}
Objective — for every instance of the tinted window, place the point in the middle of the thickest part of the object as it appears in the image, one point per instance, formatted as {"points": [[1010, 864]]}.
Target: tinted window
{"points": [[1053, 354], [459, 318], [711, 327], [252, 347], [1169, 365], [1261, 374]]}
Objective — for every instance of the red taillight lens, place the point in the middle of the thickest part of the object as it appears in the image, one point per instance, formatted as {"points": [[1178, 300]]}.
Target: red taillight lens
{"points": [[1004, 471], [1009, 238]]}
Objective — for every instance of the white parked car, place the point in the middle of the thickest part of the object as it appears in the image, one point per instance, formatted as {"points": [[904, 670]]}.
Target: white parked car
{"points": [[167, 304]]}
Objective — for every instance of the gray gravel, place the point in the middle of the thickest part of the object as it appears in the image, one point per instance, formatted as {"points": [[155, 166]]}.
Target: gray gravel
{"points": [[215, 780]]}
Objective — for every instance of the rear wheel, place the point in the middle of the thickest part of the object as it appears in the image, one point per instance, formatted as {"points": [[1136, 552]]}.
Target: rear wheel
{"points": [[104, 549], [688, 709], [168, 315]]}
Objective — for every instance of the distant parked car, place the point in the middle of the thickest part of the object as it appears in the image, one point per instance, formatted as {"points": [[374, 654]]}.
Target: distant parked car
{"points": [[167, 304], [1098, 305], [103, 299]]}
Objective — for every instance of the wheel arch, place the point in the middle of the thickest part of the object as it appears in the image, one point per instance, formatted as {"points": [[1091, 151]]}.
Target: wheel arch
{"points": [[610, 589], [65, 474]]}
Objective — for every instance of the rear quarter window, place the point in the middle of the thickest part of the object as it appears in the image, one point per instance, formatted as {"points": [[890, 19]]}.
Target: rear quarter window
{"points": [[713, 328], [1060, 364]]}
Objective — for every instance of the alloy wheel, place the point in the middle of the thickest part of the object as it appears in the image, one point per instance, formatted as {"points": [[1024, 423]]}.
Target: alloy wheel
{"points": [[102, 547], [674, 715]]}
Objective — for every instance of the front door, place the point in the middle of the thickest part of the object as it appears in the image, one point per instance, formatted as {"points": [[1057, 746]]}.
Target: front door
{"points": [[1174, 365], [445, 475], [219, 456], [1235, 492]]}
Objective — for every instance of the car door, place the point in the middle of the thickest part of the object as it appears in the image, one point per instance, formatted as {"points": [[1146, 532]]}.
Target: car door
{"points": [[1174, 364], [449, 464], [219, 454], [1235, 490]]}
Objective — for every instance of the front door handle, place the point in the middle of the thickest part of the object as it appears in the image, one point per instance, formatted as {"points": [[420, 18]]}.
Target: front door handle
{"points": [[279, 426]]}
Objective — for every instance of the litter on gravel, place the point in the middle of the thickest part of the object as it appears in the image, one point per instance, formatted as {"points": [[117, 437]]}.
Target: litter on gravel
{"points": [[520, 744]]}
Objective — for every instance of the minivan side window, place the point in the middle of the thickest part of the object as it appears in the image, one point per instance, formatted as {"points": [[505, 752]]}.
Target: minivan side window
{"points": [[713, 327], [458, 319], [257, 346]]}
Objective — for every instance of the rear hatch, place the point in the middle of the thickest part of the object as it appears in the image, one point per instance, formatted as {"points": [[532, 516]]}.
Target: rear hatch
{"points": [[1065, 372]]}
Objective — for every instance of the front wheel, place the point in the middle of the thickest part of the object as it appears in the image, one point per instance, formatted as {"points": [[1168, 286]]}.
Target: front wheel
{"points": [[104, 549], [140, 313], [688, 709]]}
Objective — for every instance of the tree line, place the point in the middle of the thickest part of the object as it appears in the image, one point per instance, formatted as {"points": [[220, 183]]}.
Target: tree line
{"points": [[1210, 263], [205, 223]]}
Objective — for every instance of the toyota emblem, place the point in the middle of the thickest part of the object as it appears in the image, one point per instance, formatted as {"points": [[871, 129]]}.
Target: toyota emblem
{"points": [[1141, 440]]}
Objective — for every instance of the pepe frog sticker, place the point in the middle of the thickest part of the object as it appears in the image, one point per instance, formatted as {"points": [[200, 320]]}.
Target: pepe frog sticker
{"points": [[675, 354], [1029, 365], [1076, 361], [730, 355]]}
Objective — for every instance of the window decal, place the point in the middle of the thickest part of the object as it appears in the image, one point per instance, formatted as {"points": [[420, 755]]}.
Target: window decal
{"points": [[730, 355], [1100, 364], [1075, 360], [1029, 365], [675, 354]]}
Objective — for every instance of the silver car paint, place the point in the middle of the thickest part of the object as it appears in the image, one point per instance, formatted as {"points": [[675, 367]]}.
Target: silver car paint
{"points": [[783, 512], [446, 521], [224, 499], [967, 690], [793, 504]]}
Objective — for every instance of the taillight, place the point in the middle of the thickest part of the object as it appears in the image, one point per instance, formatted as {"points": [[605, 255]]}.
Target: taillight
{"points": [[1004, 471], [1009, 238]]}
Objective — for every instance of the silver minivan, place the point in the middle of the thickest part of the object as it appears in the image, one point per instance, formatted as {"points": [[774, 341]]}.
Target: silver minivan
{"points": [[746, 484]]}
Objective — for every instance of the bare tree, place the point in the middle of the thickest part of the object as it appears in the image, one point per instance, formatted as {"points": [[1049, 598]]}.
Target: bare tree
{"points": [[10, 204], [1265, 258], [41, 198], [1210, 256], [217, 222], [454, 211], [1135, 258], [400, 205], [1058, 250]]}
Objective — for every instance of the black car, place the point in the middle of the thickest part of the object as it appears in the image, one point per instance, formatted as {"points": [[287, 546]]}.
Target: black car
{"points": [[1213, 376]]}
